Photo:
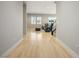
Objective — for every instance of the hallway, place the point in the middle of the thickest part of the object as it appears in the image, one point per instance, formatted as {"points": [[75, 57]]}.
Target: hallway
{"points": [[17, 40], [39, 44]]}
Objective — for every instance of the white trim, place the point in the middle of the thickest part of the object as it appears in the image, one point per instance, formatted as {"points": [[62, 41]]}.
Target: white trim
{"points": [[10, 49], [73, 53]]}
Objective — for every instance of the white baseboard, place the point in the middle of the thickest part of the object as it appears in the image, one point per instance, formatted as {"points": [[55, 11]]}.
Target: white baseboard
{"points": [[73, 53], [10, 49]]}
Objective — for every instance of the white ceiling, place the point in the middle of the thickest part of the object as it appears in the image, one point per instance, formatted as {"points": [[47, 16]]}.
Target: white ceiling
{"points": [[41, 7]]}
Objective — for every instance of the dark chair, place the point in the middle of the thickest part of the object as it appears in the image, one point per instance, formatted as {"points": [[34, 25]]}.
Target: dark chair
{"points": [[47, 27]]}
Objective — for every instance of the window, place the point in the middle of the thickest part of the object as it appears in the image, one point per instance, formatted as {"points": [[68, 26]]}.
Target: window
{"points": [[51, 19], [38, 20], [35, 20]]}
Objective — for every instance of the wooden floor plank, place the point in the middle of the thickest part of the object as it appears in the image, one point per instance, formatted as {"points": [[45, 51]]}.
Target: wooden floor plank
{"points": [[39, 45]]}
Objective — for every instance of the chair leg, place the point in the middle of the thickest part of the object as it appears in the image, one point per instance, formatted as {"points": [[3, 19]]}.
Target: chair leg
{"points": [[51, 32]]}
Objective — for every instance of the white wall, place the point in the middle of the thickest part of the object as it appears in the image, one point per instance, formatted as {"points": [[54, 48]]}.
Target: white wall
{"points": [[11, 24], [44, 19], [41, 7], [68, 24]]}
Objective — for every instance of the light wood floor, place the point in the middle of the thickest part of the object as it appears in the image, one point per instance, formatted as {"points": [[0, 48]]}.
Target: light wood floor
{"points": [[37, 45]]}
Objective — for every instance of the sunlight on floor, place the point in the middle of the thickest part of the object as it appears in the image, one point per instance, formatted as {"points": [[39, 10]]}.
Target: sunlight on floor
{"points": [[36, 36], [33, 35]]}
